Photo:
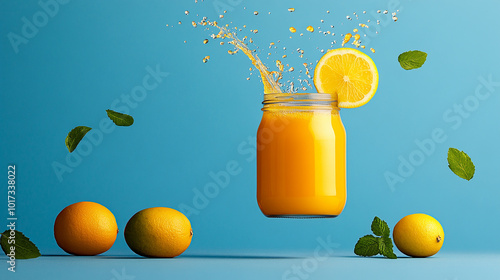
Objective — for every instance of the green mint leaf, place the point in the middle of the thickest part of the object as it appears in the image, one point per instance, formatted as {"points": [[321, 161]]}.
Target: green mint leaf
{"points": [[380, 227], [461, 164], [367, 246], [23, 247], [391, 255], [75, 136], [412, 59], [119, 118], [385, 247]]}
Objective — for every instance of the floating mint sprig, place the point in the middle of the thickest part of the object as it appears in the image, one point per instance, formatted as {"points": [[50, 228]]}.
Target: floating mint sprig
{"points": [[119, 118], [75, 136], [461, 164], [412, 59]]}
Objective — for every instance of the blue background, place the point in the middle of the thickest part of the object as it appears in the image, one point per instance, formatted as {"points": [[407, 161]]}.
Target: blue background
{"points": [[90, 53]]}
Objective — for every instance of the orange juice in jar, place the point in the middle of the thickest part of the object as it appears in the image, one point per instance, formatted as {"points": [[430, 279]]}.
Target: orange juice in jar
{"points": [[301, 157]]}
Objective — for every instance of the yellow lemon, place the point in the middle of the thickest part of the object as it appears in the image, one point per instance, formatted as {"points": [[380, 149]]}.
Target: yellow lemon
{"points": [[85, 228], [350, 74], [159, 232], [418, 235]]}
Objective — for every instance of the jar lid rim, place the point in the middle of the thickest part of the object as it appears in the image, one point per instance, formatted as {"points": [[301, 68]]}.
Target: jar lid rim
{"points": [[299, 97]]}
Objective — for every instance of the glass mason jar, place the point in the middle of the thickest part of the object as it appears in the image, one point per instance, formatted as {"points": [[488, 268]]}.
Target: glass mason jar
{"points": [[301, 156]]}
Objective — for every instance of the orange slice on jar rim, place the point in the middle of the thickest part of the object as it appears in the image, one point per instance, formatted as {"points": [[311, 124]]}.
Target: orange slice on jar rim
{"points": [[350, 74]]}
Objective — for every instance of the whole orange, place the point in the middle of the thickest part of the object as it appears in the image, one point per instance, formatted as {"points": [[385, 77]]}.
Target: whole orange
{"points": [[85, 228], [159, 232]]}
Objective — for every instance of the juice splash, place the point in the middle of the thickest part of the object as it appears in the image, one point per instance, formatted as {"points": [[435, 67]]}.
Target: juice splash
{"points": [[270, 79], [273, 80]]}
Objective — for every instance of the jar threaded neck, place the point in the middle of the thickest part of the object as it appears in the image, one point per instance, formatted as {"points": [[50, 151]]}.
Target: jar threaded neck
{"points": [[300, 101]]}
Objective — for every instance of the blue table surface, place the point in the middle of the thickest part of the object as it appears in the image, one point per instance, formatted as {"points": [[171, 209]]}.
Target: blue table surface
{"points": [[342, 265]]}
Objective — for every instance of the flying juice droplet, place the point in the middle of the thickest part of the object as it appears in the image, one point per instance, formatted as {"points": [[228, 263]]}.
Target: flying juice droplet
{"points": [[279, 65], [347, 38], [310, 28], [293, 30], [356, 42]]}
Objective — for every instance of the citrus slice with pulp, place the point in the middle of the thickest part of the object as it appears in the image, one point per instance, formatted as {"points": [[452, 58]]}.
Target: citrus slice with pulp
{"points": [[349, 73]]}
